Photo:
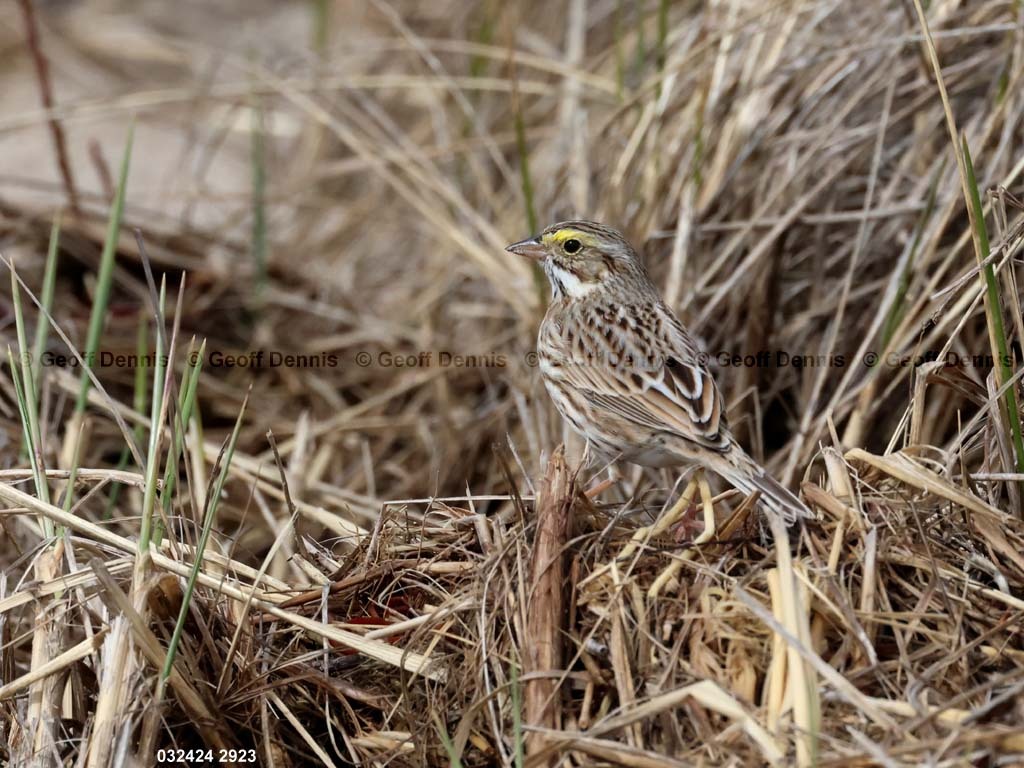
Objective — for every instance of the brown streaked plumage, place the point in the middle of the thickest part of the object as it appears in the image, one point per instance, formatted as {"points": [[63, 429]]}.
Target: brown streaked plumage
{"points": [[624, 371]]}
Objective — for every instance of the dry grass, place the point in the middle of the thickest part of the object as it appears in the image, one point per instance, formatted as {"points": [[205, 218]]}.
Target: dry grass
{"points": [[382, 566]]}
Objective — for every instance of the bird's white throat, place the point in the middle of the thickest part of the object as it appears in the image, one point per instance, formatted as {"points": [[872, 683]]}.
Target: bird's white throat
{"points": [[565, 283]]}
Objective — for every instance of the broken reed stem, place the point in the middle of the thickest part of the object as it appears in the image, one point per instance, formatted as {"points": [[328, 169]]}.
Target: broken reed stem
{"points": [[46, 94], [546, 610]]}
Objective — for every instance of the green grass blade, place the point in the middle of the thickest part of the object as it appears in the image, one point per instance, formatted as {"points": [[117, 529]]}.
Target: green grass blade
{"points": [[28, 401], [210, 515], [484, 35], [19, 393], [46, 299], [259, 203], [698, 145], [139, 399], [42, 489], [526, 179], [620, 56], [895, 314], [321, 25], [155, 432], [141, 392], [540, 282], [28, 381], [641, 39], [1004, 369], [105, 277], [186, 403], [76, 454], [454, 761], [662, 54]]}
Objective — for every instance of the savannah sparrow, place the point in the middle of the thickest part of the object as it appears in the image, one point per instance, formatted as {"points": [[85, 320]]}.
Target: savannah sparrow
{"points": [[624, 371]]}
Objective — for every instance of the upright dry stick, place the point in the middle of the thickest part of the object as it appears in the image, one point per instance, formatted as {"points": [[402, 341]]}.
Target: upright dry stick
{"points": [[545, 611], [42, 66]]}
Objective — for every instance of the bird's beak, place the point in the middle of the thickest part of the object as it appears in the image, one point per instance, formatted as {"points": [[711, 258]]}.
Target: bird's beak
{"points": [[531, 248]]}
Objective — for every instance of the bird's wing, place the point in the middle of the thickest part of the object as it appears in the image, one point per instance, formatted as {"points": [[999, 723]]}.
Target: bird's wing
{"points": [[643, 367]]}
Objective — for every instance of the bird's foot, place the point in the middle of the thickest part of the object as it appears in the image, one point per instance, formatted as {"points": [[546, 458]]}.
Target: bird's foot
{"points": [[690, 523]]}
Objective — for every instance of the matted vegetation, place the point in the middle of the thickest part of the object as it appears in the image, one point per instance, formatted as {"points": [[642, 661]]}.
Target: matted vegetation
{"points": [[308, 502]]}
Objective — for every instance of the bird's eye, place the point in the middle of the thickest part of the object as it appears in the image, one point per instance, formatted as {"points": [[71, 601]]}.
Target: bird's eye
{"points": [[572, 245]]}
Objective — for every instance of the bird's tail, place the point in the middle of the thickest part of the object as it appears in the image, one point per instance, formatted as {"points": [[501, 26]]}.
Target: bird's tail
{"points": [[748, 476]]}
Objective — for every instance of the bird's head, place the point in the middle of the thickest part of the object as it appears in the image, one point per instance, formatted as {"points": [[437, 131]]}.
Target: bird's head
{"points": [[581, 256]]}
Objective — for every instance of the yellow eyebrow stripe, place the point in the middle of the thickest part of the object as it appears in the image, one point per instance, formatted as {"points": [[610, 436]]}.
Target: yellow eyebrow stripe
{"points": [[565, 234]]}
